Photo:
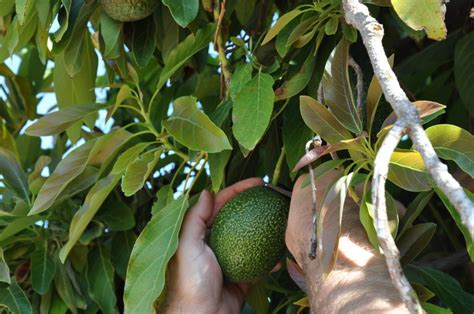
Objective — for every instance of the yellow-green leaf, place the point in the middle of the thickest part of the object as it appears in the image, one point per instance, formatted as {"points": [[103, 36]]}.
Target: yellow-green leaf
{"points": [[407, 170], [139, 170], [425, 15]]}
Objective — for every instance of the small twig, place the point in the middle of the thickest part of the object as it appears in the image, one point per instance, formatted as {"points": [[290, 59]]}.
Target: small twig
{"points": [[360, 82], [316, 141], [219, 47], [276, 172]]}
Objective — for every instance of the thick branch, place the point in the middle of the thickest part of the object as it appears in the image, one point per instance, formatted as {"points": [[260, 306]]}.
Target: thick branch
{"points": [[371, 31]]}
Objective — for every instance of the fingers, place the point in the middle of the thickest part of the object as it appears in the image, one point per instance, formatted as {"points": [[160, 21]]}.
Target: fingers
{"points": [[195, 222], [229, 192]]}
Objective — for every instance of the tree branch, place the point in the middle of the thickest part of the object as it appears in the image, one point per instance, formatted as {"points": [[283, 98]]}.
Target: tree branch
{"points": [[372, 33]]}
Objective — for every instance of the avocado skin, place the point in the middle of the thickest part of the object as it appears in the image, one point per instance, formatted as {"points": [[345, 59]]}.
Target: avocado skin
{"points": [[248, 233], [129, 10]]}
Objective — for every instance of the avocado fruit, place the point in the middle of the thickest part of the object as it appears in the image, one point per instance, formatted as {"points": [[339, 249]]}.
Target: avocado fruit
{"points": [[129, 10], [248, 233]]}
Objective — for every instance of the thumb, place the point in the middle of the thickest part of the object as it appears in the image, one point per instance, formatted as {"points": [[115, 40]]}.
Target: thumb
{"points": [[195, 222]]}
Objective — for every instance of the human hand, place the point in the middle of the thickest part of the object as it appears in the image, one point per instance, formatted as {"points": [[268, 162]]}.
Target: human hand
{"points": [[360, 281], [195, 282]]}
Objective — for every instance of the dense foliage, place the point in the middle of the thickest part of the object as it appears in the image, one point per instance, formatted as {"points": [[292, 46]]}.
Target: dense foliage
{"points": [[109, 130]]}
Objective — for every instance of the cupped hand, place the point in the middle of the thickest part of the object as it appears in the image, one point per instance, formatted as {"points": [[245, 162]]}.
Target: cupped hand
{"points": [[195, 280]]}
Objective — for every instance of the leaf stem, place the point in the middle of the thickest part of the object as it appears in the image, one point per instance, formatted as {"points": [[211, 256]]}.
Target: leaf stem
{"points": [[276, 172]]}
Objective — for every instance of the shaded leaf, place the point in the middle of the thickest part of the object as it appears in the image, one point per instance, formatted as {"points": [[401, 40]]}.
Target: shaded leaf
{"points": [[337, 88], [415, 239], [253, 106], [257, 298], [282, 22], [298, 82], [444, 286], [111, 31], [194, 129], [143, 40], [185, 49], [150, 255], [464, 69], [217, 163], [13, 175], [122, 245], [43, 269], [242, 74], [414, 209], [423, 15], [407, 170], [319, 119], [128, 156], [183, 11], [457, 219], [117, 215], [453, 143], [4, 269], [100, 279], [94, 199], [58, 121], [15, 299]]}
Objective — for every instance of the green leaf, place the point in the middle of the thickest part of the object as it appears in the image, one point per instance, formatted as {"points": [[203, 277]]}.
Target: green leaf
{"points": [[407, 170], [100, 279], [183, 11], [217, 164], [414, 209], [94, 199], [244, 10], [423, 15], [150, 255], [434, 309], [143, 40], [193, 128], [253, 106], [128, 156], [163, 197], [64, 288], [67, 170], [185, 50], [329, 223], [117, 215], [15, 299], [43, 268], [319, 119], [367, 217], [337, 88], [16, 226], [464, 69], [122, 245], [257, 298], [139, 170], [444, 286], [58, 121], [413, 242], [13, 175], [242, 74], [298, 82], [453, 143], [111, 31], [4, 269], [282, 22], [295, 135], [457, 219], [78, 90]]}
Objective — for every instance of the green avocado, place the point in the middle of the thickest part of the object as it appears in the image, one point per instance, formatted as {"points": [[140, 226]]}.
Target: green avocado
{"points": [[248, 233], [129, 10]]}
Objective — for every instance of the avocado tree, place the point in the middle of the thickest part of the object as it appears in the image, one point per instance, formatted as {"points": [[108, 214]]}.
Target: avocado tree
{"points": [[116, 114]]}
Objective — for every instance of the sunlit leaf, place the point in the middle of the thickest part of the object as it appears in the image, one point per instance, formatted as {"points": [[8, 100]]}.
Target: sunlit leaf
{"points": [[428, 110], [150, 255], [94, 199], [217, 163], [282, 22], [193, 128], [453, 143], [242, 74], [319, 119], [423, 15], [407, 170], [252, 110]]}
